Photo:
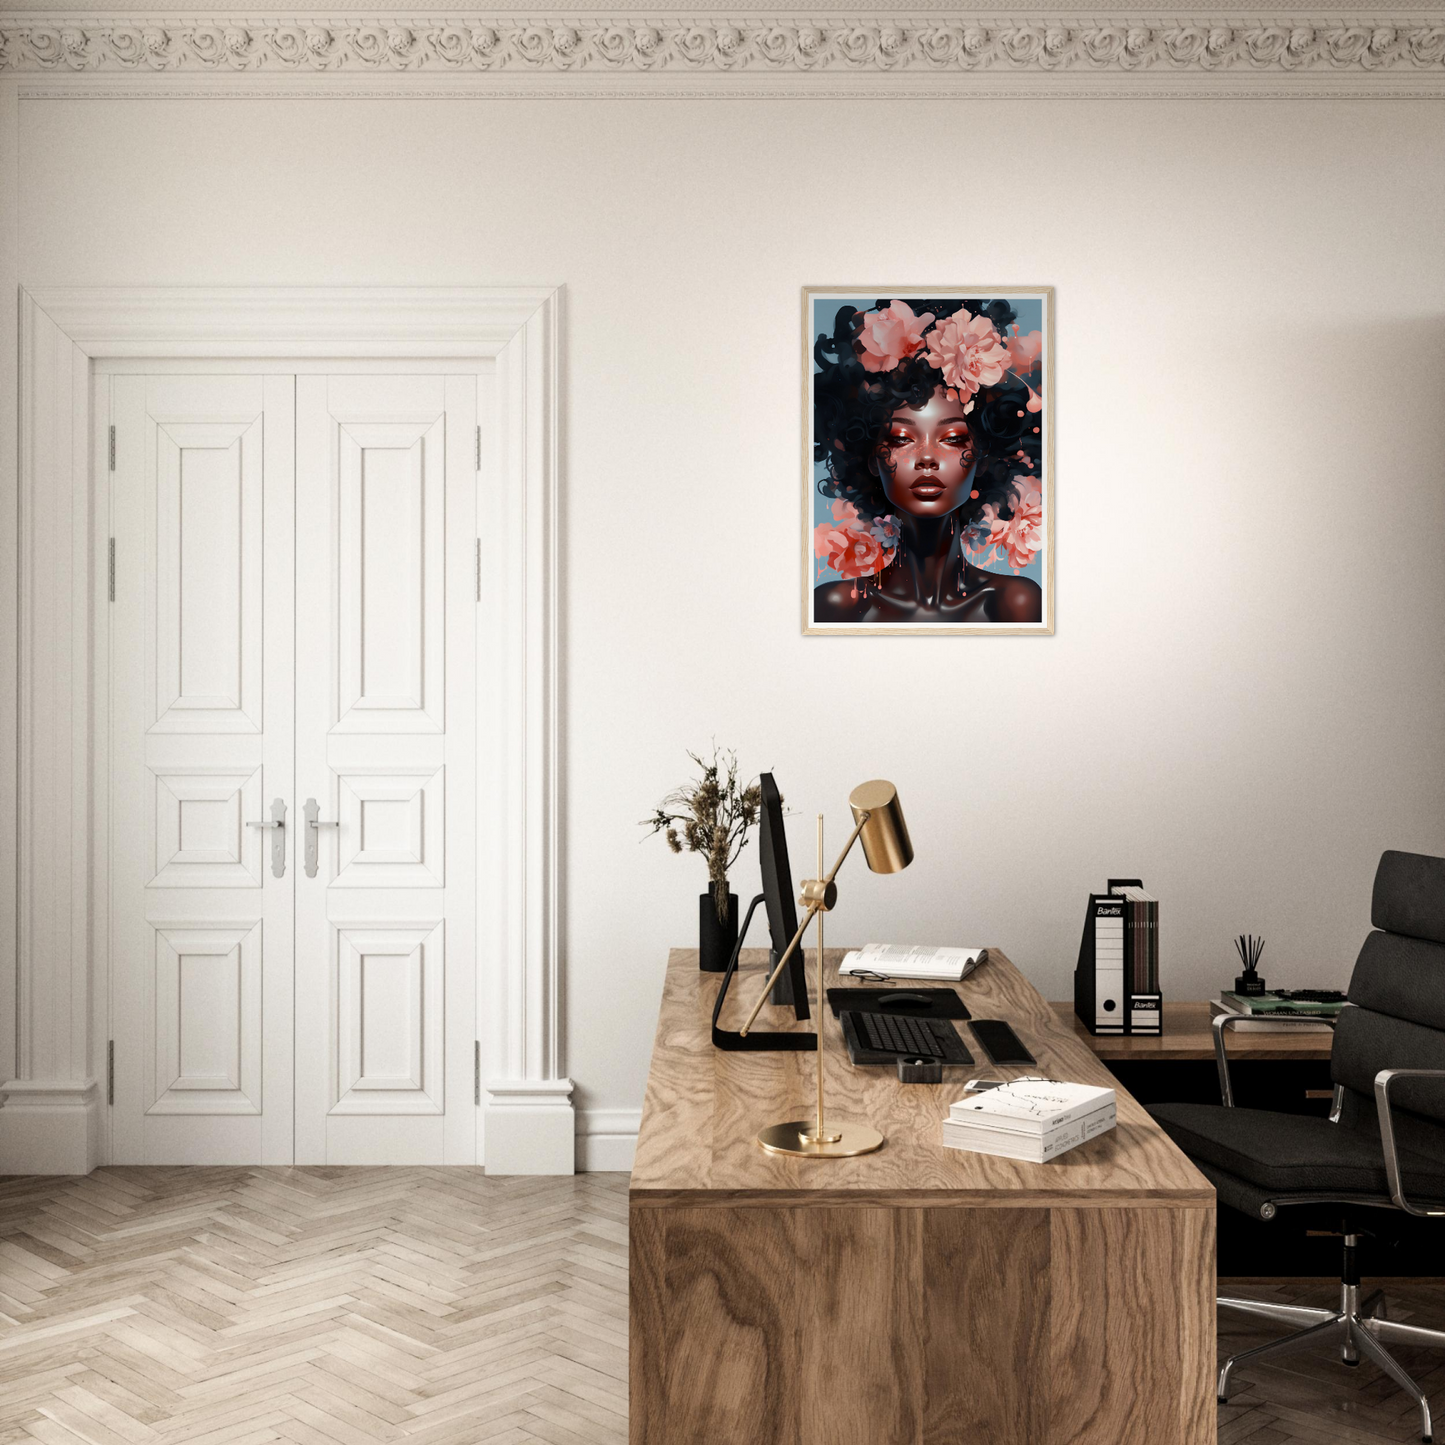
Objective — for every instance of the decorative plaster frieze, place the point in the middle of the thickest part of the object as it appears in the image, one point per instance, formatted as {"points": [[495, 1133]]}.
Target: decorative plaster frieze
{"points": [[930, 45]]}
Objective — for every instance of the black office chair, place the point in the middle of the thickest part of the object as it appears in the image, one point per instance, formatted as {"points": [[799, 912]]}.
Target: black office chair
{"points": [[1383, 1146]]}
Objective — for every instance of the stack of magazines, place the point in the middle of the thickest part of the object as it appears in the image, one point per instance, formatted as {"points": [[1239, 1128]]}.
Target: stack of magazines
{"points": [[1141, 940], [1032, 1119], [1272, 1012]]}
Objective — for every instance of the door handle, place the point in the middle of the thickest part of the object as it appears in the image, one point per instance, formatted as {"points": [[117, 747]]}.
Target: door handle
{"points": [[278, 841], [314, 825]]}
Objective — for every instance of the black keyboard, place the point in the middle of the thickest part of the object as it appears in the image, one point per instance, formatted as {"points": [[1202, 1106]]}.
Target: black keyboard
{"points": [[902, 1037]]}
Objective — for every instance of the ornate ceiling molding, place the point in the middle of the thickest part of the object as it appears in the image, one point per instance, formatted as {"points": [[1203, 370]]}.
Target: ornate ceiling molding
{"points": [[1409, 54]]}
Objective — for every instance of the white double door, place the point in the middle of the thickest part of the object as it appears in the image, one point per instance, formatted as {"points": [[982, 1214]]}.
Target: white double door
{"points": [[292, 642]]}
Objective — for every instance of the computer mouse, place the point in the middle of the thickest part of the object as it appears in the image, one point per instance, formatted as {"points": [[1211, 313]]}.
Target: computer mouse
{"points": [[903, 999]]}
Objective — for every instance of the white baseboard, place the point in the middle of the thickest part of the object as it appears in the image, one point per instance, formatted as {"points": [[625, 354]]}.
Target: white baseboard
{"points": [[607, 1139], [531, 1127], [49, 1126]]}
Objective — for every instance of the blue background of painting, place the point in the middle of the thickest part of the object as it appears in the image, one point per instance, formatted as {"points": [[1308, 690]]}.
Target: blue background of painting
{"points": [[825, 309]]}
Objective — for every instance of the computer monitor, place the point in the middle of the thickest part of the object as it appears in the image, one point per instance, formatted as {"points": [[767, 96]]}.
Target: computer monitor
{"points": [[791, 987], [777, 897]]}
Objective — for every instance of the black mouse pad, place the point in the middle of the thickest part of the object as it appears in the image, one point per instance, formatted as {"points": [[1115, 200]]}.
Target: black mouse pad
{"points": [[916, 1003]]}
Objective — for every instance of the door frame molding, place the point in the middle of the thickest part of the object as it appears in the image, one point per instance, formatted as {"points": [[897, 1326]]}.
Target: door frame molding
{"points": [[54, 1004]]}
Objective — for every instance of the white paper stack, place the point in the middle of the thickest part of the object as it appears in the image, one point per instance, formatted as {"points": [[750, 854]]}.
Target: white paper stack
{"points": [[1032, 1119], [902, 960]]}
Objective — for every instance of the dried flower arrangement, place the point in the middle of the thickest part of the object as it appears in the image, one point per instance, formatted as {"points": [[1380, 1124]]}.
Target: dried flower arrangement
{"points": [[711, 816]]}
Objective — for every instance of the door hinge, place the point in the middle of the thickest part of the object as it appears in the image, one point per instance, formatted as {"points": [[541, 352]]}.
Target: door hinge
{"points": [[110, 568], [112, 448], [110, 1072], [479, 446], [477, 1072]]}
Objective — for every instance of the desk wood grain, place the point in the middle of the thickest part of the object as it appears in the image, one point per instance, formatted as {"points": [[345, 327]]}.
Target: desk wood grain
{"points": [[919, 1295]]}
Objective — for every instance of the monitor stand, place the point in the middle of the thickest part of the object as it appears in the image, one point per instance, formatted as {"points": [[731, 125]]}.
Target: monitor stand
{"points": [[758, 1040]]}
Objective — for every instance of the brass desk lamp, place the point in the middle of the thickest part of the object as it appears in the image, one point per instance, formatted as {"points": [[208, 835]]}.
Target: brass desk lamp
{"points": [[878, 821]]}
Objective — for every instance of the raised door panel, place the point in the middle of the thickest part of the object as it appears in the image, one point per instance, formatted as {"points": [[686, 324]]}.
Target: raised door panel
{"points": [[386, 474], [208, 576], [390, 576], [206, 1044], [390, 1010], [199, 832], [392, 832], [201, 743]]}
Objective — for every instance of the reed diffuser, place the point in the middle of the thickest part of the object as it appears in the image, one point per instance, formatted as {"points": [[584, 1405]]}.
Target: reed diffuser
{"points": [[1249, 948]]}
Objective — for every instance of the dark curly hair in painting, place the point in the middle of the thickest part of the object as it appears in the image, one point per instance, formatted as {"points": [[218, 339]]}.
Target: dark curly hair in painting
{"points": [[852, 405]]}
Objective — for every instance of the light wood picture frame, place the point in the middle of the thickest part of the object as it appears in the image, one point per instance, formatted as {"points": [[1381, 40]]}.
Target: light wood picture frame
{"points": [[928, 460]]}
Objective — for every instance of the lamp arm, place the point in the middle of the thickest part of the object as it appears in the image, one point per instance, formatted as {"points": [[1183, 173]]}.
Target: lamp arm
{"points": [[813, 910], [773, 977], [847, 847]]}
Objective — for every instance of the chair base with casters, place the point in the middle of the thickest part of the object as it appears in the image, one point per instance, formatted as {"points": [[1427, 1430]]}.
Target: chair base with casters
{"points": [[1360, 1328]]}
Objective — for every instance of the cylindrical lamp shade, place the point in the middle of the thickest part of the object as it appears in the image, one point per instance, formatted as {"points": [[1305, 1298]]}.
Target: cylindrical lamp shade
{"points": [[885, 840]]}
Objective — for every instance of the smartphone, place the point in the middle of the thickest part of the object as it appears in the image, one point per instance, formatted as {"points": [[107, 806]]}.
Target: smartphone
{"points": [[1000, 1042]]}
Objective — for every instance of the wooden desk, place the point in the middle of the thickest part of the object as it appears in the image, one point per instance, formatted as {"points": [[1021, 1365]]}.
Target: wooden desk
{"points": [[919, 1295], [1188, 1036]]}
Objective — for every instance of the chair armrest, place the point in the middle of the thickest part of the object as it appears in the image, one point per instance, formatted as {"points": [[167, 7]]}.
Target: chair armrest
{"points": [[1223, 1021], [1383, 1080]]}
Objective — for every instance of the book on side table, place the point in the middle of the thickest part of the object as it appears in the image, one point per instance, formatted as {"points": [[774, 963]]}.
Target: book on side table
{"points": [[1266, 1012], [1032, 1119]]}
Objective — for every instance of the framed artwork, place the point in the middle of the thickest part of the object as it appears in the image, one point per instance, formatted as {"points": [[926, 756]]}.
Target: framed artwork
{"points": [[928, 477]]}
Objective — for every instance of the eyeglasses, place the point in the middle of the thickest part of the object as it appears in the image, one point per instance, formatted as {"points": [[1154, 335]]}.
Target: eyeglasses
{"points": [[871, 976]]}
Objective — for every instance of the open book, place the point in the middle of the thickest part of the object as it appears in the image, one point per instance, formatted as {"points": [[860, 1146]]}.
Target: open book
{"points": [[902, 960]]}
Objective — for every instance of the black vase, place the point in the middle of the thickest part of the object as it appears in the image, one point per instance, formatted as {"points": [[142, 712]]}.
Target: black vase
{"points": [[715, 941]]}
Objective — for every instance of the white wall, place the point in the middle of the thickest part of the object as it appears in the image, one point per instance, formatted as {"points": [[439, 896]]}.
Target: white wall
{"points": [[1243, 700]]}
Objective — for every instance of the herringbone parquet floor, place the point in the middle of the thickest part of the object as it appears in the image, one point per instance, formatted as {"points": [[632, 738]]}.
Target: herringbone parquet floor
{"points": [[317, 1306], [429, 1307]]}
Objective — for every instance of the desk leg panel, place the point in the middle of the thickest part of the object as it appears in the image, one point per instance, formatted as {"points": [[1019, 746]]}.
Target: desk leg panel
{"points": [[858, 1289], [985, 1308], [1132, 1327], [646, 1310], [715, 1328]]}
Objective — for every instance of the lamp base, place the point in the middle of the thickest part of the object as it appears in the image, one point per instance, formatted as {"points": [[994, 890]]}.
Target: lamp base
{"points": [[796, 1137]]}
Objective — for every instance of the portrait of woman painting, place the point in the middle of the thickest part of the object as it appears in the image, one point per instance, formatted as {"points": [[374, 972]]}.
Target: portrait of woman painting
{"points": [[928, 461]]}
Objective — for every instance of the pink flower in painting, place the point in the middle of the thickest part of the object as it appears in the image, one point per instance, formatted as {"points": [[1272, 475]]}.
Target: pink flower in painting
{"points": [[863, 556], [849, 548], [968, 351], [1022, 536], [1024, 351], [890, 335]]}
